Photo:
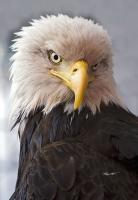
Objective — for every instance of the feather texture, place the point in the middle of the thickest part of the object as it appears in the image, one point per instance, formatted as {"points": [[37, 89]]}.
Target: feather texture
{"points": [[73, 39], [94, 158]]}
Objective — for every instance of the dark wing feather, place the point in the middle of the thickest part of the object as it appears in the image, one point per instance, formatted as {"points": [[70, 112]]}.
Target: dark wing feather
{"points": [[115, 135], [71, 170], [92, 165], [123, 135]]}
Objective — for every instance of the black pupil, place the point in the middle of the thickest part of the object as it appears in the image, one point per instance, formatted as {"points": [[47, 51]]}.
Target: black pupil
{"points": [[56, 57]]}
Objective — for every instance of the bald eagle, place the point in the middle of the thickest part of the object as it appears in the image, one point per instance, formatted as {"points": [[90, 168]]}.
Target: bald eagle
{"points": [[78, 140]]}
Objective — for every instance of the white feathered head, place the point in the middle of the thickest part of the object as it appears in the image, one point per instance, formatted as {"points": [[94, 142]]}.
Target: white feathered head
{"points": [[59, 59]]}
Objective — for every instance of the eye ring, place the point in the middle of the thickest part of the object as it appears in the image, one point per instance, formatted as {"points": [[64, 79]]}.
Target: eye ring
{"points": [[54, 57]]}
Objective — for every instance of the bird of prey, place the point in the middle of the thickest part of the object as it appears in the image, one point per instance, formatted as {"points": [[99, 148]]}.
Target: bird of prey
{"points": [[78, 140]]}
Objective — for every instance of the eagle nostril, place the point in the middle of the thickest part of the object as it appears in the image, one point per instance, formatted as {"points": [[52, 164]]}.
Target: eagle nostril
{"points": [[74, 70]]}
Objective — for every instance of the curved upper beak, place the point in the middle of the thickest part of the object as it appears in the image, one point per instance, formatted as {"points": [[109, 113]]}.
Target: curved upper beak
{"points": [[76, 79]]}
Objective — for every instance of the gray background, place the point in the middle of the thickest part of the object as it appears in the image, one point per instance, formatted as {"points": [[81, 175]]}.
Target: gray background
{"points": [[119, 17]]}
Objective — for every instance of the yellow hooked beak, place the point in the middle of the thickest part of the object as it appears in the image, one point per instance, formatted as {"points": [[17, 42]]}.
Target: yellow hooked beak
{"points": [[77, 80]]}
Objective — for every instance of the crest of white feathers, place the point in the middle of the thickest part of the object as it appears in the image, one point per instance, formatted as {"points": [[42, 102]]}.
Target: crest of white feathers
{"points": [[73, 39]]}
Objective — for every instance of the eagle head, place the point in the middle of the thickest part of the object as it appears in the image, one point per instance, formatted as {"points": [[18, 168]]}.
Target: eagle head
{"points": [[58, 60]]}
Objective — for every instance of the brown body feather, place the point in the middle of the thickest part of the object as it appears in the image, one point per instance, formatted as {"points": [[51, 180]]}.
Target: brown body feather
{"points": [[78, 156]]}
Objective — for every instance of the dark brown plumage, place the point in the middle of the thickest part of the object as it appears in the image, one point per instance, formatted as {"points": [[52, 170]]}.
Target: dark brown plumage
{"points": [[78, 157]]}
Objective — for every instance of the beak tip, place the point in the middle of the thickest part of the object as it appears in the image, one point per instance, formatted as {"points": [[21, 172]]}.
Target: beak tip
{"points": [[76, 106]]}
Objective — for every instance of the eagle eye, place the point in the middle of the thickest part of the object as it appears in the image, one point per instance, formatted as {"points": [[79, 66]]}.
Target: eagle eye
{"points": [[102, 61], [94, 67], [54, 57]]}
